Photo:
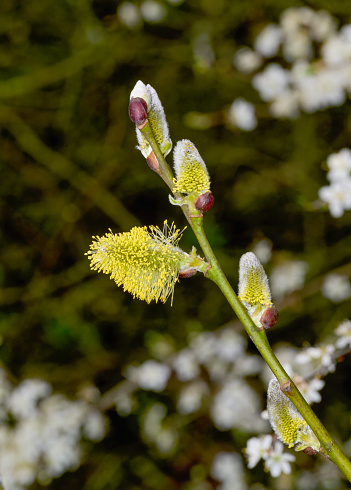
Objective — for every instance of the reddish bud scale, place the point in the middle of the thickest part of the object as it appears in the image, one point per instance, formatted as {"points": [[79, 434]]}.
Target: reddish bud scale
{"points": [[151, 160], [204, 202], [187, 273], [309, 450], [138, 110], [269, 317]]}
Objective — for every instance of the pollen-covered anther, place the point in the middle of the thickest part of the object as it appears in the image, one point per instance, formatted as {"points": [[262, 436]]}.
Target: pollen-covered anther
{"points": [[204, 202], [190, 170]]}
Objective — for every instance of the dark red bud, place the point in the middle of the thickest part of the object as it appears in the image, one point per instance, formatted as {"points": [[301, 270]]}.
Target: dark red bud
{"points": [[204, 202], [138, 110], [309, 450], [269, 317], [187, 273]]}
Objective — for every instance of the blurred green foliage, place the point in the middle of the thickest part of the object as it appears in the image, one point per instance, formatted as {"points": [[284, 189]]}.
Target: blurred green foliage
{"points": [[69, 170]]}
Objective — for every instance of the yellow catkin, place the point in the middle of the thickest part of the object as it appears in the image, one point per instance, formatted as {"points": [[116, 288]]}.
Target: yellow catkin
{"points": [[145, 263], [253, 282], [190, 169], [285, 419]]}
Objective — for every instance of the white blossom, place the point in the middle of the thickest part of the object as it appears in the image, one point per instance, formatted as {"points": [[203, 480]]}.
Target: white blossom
{"points": [[227, 468], [317, 357], [343, 331], [310, 389], [336, 287], [246, 60], [23, 400], [236, 405], [263, 250], [286, 105], [151, 375], [191, 396], [242, 114], [271, 82], [339, 165], [268, 41], [152, 11], [258, 448], [337, 196], [185, 365], [279, 462], [129, 14], [288, 277]]}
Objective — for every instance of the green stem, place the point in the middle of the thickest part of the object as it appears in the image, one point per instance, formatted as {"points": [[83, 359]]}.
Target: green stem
{"points": [[329, 447]]}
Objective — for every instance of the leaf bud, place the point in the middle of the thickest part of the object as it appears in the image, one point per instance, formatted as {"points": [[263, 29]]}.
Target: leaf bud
{"points": [[269, 317], [138, 111], [204, 202]]}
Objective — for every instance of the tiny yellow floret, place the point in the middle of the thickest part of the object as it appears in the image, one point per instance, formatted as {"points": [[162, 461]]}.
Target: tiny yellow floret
{"points": [[253, 283], [145, 262], [190, 169]]}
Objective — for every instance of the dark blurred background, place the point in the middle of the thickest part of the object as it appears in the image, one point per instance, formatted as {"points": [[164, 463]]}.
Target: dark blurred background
{"points": [[70, 170]]}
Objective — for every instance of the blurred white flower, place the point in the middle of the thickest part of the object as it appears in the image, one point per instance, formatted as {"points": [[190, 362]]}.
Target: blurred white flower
{"points": [[268, 41], [270, 83], [258, 448], [44, 442], [318, 87], [317, 357], [129, 14], [152, 11], [339, 165], [230, 345], [151, 375], [279, 462], [336, 287], [156, 430], [336, 51], [287, 277], [191, 396], [242, 114], [204, 346], [309, 389], [185, 365], [263, 250], [286, 105], [322, 26], [343, 331], [246, 60], [337, 196], [236, 405], [228, 468], [94, 426], [23, 400]]}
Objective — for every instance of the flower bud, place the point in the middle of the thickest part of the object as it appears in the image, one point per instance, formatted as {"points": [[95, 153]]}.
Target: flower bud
{"points": [[138, 111], [269, 317], [190, 170], [204, 202]]}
